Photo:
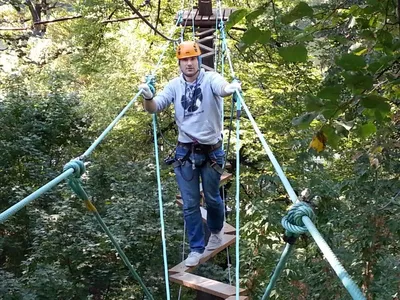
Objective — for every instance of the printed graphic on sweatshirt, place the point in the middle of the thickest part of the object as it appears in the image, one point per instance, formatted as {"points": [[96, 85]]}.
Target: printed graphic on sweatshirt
{"points": [[191, 100]]}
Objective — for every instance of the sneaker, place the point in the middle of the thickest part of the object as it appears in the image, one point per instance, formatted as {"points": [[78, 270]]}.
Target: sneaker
{"points": [[215, 241], [193, 259]]}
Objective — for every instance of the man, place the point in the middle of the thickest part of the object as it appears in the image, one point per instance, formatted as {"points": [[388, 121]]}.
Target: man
{"points": [[196, 96]]}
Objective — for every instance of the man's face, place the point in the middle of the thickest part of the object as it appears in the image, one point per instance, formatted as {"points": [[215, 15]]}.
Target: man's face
{"points": [[189, 66]]}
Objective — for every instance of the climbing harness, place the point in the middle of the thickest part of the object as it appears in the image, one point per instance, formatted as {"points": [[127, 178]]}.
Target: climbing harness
{"points": [[195, 147]]}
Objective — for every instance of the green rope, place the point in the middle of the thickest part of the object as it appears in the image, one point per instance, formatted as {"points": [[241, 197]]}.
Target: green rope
{"points": [[278, 270], [74, 182], [160, 205], [294, 226], [345, 278]]}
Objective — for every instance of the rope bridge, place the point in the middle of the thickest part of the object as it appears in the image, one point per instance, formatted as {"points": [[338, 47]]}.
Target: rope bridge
{"points": [[299, 219]]}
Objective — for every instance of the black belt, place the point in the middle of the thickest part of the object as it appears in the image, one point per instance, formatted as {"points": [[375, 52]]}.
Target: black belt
{"points": [[200, 148]]}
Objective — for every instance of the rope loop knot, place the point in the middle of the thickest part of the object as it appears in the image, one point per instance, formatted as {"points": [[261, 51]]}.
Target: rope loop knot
{"points": [[151, 82], [293, 222], [77, 165]]}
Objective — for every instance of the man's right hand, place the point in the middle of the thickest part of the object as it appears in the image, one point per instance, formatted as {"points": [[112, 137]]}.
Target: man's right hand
{"points": [[146, 92]]}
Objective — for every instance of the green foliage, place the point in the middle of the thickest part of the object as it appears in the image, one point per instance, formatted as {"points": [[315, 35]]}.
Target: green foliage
{"points": [[306, 68]]}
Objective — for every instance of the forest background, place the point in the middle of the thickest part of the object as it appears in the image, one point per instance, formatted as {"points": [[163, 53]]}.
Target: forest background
{"points": [[324, 73]]}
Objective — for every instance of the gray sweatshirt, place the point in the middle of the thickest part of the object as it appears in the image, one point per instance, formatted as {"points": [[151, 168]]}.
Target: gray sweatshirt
{"points": [[198, 106]]}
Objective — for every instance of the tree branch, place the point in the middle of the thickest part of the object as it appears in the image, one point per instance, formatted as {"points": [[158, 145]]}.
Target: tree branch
{"points": [[147, 22]]}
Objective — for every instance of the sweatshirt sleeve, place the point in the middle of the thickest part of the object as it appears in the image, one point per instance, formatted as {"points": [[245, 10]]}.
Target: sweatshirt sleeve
{"points": [[164, 98], [217, 84]]}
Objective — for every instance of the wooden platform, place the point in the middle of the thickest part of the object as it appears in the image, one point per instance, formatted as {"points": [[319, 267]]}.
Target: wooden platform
{"points": [[181, 274], [203, 284], [204, 21]]}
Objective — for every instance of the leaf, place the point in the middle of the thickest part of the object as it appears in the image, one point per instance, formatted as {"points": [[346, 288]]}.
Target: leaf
{"points": [[385, 38], [376, 102], [313, 103], [254, 14], [265, 37], [332, 137], [301, 10], [304, 120], [254, 34], [295, 53], [330, 92], [351, 62], [235, 17], [358, 81], [367, 129], [251, 35], [318, 142]]}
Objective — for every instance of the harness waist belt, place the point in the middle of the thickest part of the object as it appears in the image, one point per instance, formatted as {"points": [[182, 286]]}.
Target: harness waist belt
{"points": [[201, 148]]}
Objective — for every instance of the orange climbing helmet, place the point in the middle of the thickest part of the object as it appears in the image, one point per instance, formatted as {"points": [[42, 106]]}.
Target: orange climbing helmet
{"points": [[188, 49]]}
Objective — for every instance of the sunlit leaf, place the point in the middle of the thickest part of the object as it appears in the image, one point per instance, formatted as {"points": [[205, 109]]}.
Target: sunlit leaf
{"points": [[367, 130], [251, 35], [318, 142], [301, 10], [304, 120], [235, 18], [255, 14]]}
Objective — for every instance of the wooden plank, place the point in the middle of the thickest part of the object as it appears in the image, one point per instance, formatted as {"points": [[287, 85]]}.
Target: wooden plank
{"points": [[197, 17], [203, 47], [180, 268], [206, 285], [207, 255], [240, 297], [205, 32], [207, 68], [205, 39], [227, 240], [225, 178]]}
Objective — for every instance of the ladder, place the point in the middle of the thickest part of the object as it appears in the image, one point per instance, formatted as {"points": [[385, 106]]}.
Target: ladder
{"points": [[181, 274]]}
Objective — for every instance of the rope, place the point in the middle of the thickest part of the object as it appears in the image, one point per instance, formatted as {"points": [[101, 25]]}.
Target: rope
{"points": [[238, 112], [16, 207], [219, 15], [345, 278], [348, 283], [150, 81], [183, 254], [74, 182], [278, 270], [192, 15], [160, 204], [294, 226]]}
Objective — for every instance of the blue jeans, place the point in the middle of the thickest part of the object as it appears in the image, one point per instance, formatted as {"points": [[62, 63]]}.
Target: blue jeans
{"points": [[188, 181]]}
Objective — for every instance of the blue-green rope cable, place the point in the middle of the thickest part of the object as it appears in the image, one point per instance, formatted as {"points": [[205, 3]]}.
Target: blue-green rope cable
{"points": [[348, 283], [192, 15], [22, 203], [238, 111], [294, 228], [160, 204], [278, 270], [74, 182], [122, 113], [36, 194]]}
